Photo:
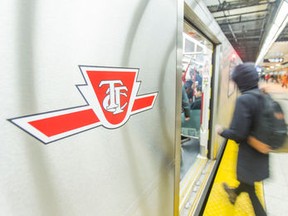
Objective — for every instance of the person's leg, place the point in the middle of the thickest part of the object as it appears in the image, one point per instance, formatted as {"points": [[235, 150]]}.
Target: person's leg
{"points": [[231, 193], [250, 189]]}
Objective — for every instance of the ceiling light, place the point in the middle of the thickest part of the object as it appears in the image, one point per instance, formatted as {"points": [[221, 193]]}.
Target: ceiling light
{"points": [[278, 25]]}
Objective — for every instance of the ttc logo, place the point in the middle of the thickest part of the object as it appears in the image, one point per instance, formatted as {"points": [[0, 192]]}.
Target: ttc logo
{"points": [[111, 97]]}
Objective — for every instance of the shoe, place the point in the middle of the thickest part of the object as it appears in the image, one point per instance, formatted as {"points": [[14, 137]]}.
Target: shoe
{"points": [[231, 193]]}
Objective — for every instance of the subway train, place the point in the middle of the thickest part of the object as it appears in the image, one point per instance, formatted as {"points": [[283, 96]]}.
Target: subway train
{"points": [[91, 116]]}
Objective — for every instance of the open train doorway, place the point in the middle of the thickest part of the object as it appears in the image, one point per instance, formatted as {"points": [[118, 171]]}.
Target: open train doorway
{"points": [[196, 87], [196, 79]]}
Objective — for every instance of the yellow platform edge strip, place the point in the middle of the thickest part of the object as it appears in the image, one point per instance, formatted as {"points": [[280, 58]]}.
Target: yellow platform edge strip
{"points": [[218, 203]]}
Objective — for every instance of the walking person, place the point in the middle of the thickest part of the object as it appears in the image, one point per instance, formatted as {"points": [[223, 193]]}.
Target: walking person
{"points": [[284, 80], [252, 165]]}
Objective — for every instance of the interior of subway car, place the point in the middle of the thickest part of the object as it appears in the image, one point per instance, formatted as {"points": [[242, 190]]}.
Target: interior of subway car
{"points": [[196, 64]]}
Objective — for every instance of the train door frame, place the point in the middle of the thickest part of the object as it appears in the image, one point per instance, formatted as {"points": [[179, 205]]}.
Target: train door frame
{"points": [[194, 176], [214, 81], [213, 148], [206, 151]]}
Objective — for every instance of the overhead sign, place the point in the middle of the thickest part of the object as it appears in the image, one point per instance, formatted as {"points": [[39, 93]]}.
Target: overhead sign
{"points": [[111, 97], [273, 60]]}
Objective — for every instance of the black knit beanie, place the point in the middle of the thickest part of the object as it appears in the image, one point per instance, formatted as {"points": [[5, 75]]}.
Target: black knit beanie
{"points": [[245, 76]]}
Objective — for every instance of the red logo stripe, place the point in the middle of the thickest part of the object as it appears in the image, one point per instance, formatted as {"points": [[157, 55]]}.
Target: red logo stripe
{"points": [[143, 102], [63, 123]]}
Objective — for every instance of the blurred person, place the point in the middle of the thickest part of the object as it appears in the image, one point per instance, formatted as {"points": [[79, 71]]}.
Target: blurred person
{"points": [[252, 165], [267, 77], [284, 80], [198, 79], [272, 78], [198, 99], [262, 77], [189, 90], [183, 76], [185, 104]]}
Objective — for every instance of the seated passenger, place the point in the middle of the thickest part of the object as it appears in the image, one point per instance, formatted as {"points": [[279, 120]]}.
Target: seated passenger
{"points": [[197, 102]]}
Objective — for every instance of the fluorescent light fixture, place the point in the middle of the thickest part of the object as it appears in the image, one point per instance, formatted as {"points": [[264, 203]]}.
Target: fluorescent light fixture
{"points": [[277, 27]]}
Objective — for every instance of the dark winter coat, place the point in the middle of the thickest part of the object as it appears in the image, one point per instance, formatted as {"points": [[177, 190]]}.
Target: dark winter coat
{"points": [[196, 104], [251, 165], [185, 103]]}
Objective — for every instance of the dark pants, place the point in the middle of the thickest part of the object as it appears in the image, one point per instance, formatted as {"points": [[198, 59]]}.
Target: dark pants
{"points": [[250, 189]]}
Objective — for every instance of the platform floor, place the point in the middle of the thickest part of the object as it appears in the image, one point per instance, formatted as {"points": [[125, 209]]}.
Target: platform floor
{"points": [[218, 203], [276, 187]]}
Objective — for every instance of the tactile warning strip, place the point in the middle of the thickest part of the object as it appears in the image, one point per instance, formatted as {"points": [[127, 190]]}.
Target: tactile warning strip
{"points": [[218, 203]]}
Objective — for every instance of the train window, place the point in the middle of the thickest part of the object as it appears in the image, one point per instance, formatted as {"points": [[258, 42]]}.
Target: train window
{"points": [[199, 49], [189, 46], [196, 76]]}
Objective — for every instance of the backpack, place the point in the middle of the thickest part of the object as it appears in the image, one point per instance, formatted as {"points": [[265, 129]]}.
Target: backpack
{"points": [[270, 127]]}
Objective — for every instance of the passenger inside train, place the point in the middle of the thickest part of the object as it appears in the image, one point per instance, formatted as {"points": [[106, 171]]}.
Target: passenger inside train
{"points": [[196, 104], [197, 58]]}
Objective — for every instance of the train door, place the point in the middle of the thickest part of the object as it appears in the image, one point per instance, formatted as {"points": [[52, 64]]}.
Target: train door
{"points": [[196, 80]]}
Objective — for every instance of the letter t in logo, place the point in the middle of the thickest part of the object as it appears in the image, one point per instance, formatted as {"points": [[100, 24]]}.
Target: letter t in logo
{"points": [[113, 96]]}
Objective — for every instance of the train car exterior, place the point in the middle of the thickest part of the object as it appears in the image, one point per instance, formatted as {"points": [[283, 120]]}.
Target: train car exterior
{"points": [[91, 106]]}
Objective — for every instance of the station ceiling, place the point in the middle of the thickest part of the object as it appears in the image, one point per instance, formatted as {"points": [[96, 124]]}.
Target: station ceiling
{"points": [[245, 23]]}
